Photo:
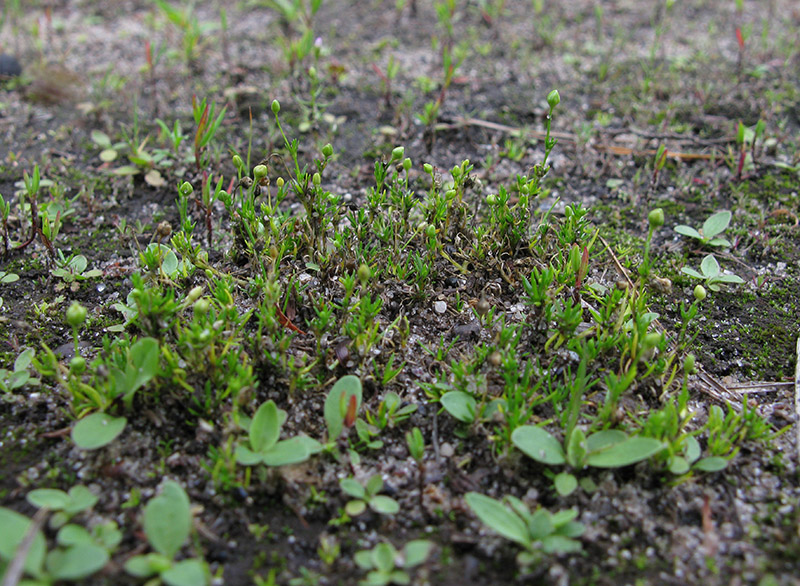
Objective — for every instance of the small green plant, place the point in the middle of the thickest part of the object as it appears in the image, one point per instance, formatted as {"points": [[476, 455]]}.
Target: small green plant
{"points": [[167, 522], [72, 270], [714, 225], [366, 495], [21, 375], [538, 532], [386, 565], [77, 556], [609, 448], [66, 505], [264, 447], [711, 273]]}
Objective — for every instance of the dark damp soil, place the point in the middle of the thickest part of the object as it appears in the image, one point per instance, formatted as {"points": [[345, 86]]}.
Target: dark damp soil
{"points": [[632, 77]]}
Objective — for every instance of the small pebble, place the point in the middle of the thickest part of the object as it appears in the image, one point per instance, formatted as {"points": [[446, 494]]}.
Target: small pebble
{"points": [[440, 307], [446, 450], [9, 66]]}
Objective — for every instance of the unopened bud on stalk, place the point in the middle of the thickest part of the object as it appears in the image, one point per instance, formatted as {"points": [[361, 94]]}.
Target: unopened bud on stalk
{"points": [[259, 172], [699, 292], [553, 99]]}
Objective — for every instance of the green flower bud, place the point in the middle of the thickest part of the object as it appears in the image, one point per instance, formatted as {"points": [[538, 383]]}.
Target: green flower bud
{"points": [[491, 199], [430, 231], [450, 194], [276, 107], [259, 172], [553, 99], [699, 292], [456, 172], [238, 162], [312, 72], [280, 182], [76, 314], [194, 294], [186, 189], [406, 163], [651, 340], [327, 150], [364, 273], [689, 364], [656, 218], [77, 365], [398, 153], [317, 179], [201, 307], [428, 168]]}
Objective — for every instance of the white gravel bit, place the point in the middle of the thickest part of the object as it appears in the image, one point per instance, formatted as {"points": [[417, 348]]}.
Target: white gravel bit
{"points": [[440, 306]]}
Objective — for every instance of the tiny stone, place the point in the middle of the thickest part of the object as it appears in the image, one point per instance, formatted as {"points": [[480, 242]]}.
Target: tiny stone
{"points": [[446, 450], [440, 307]]}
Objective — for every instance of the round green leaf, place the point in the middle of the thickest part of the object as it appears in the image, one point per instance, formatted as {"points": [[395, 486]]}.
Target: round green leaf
{"points": [[678, 465], [186, 573], [415, 552], [384, 505], [355, 508], [168, 519], [536, 443], [97, 430], [565, 483], [52, 498], [80, 499], [108, 155], [353, 488], [76, 562], [460, 405]]}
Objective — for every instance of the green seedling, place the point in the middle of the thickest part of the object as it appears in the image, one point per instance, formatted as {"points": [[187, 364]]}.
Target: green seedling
{"points": [[65, 505], [264, 445], [159, 259], [464, 407], [603, 449], [73, 560], [710, 272], [136, 367], [388, 566], [342, 405], [11, 380], [167, 522], [714, 225], [73, 269], [366, 495], [538, 532]]}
